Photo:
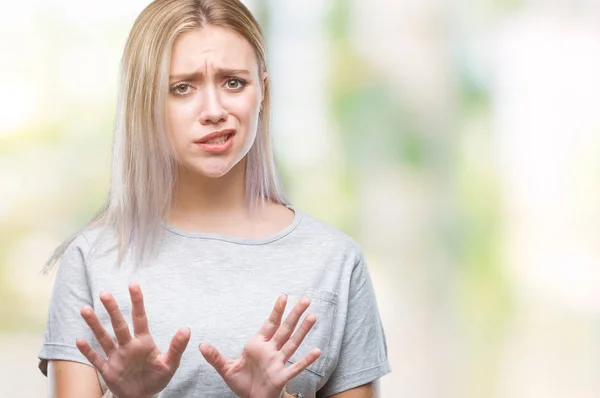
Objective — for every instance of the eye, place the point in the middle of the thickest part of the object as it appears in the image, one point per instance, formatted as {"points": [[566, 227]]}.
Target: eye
{"points": [[235, 84], [180, 88]]}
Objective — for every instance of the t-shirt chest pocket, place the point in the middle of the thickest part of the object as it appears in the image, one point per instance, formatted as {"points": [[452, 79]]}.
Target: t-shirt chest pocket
{"points": [[323, 305]]}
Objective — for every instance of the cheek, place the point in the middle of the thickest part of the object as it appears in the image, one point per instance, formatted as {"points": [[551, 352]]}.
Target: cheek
{"points": [[172, 117], [178, 119], [248, 114]]}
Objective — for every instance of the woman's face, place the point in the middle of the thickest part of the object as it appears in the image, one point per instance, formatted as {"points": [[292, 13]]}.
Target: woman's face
{"points": [[213, 105]]}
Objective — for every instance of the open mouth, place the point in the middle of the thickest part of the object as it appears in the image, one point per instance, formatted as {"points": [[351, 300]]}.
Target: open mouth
{"points": [[217, 144], [218, 140]]}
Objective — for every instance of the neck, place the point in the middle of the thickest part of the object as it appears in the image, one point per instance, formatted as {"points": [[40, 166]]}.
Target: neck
{"points": [[198, 197], [218, 205]]}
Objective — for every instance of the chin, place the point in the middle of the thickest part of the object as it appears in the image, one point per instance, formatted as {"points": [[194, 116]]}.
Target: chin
{"points": [[213, 170], [213, 175], [212, 167]]}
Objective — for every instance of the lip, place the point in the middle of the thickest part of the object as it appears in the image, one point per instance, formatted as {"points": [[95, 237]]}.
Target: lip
{"points": [[216, 148], [214, 135]]}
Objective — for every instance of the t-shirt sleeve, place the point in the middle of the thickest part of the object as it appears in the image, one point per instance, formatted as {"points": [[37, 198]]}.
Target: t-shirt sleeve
{"points": [[363, 355], [71, 292]]}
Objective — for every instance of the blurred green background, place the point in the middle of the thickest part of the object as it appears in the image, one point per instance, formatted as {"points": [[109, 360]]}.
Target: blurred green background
{"points": [[457, 142]]}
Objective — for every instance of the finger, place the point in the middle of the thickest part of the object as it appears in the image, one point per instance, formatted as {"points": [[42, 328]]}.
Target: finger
{"points": [[307, 360], [105, 339], [285, 330], [177, 347], [138, 311], [119, 325], [290, 347], [91, 355], [270, 326], [214, 358]]}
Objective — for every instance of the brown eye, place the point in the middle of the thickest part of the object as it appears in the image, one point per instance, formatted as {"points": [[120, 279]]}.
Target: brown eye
{"points": [[234, 84], [181, 88]]}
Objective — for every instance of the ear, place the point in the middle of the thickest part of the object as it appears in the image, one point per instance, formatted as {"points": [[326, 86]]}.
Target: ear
{"points": [[265, 81]]}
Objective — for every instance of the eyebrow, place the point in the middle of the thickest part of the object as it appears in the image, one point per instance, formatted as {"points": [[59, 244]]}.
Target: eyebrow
{"points": [[220, 72]]}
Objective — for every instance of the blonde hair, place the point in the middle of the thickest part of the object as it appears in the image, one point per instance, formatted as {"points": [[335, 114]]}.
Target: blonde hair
{"points": [[144, 169]]}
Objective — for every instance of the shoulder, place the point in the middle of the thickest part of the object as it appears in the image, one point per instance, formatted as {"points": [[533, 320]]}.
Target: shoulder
{"points": [[323, 235], [71, 258], [85, 242], [75, 247]]}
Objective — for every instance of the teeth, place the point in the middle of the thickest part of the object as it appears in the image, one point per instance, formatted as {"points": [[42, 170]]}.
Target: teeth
{"points": [[218, 140]]}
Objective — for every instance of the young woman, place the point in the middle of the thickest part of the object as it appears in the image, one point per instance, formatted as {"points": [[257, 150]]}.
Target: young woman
{"points": [[196, 218]]}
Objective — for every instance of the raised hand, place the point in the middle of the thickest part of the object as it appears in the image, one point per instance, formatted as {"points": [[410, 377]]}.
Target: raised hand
{"points": [[135, 368], [260, 371]]}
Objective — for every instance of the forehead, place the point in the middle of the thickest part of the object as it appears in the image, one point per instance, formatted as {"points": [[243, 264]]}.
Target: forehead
{"points": [[212, 47]]}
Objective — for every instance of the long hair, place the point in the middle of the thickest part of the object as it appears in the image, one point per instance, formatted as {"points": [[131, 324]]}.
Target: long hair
{"points": [[144, 167]]}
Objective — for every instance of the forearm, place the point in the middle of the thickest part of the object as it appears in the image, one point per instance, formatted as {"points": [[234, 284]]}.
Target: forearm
{"points": [[109, 394]]}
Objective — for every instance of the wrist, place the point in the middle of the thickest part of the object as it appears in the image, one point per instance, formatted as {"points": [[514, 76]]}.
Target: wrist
{"points": [[111, 395], [285, 394]]}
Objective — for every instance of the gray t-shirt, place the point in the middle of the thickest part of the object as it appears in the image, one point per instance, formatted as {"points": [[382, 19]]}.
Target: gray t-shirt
{"points": [[223, 289]]}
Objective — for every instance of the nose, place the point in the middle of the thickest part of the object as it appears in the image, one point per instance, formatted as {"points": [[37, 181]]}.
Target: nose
{"points": [[213, 110]]}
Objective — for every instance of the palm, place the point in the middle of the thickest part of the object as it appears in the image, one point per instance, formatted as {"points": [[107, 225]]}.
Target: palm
{"points": [[135, 368], [256, 366], [260, 371]]}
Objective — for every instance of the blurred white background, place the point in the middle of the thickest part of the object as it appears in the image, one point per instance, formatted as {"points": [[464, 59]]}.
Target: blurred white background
{"points": [[457, 142]]}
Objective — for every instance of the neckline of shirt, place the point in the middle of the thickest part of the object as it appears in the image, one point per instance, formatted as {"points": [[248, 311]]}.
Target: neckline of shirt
{"points": [[239, 240]]}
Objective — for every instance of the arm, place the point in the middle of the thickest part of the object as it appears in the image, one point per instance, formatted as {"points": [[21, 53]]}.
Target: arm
{"points": [[365, 391], [362, 358], [67, 379]]}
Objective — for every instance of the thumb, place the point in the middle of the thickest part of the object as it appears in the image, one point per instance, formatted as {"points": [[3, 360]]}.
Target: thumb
{"points": [[177, 347], [214, 357]]}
